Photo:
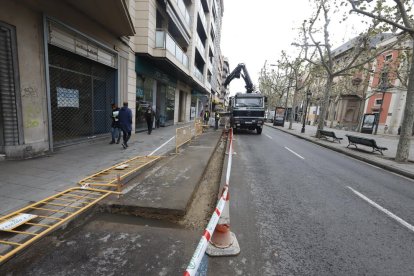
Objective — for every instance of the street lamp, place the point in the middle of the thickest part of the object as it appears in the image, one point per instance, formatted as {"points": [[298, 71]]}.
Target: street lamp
{"points": [[308, 96]]}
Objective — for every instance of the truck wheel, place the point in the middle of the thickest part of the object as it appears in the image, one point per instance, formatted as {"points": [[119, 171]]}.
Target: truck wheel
{"points": [[259, 130]]}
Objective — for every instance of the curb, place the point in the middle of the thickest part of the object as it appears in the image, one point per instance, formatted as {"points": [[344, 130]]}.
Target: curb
{"points": [[361, 158]]}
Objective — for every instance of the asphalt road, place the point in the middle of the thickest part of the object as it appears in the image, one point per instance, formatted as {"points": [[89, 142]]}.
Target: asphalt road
{"points": [[300, 209]]}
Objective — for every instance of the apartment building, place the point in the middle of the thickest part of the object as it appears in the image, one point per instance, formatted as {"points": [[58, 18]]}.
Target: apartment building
{"points": [[349, 93], [388, 87], [62, 64], [177, 52], [225, 71]]}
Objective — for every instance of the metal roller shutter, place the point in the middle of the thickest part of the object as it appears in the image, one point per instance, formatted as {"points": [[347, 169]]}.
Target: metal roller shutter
{"points": [[9, 134]]}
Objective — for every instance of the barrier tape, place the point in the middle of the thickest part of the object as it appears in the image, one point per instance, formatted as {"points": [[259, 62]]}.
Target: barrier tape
{"points": [[208, 232]]}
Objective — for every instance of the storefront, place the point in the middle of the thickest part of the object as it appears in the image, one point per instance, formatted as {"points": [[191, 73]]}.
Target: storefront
{"points": [[199, 101], [157, 89], [82, 81]]}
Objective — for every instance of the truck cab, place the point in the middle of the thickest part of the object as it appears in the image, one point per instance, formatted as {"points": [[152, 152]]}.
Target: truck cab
{"points": [[248, 111]]}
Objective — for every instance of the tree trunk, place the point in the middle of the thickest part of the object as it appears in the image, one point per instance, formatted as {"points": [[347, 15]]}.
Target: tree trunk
{"points": [[293, 108], [403, 149], [324, 104], [331, 112]]}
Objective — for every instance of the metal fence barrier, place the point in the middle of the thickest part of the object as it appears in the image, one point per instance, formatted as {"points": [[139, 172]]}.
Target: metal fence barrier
{"points": [[198, 126], [183, 135]]}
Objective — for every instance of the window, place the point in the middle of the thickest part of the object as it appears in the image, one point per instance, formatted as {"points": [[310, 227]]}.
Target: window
{"points": [[388, 57], [242, 102], [378, 101]]}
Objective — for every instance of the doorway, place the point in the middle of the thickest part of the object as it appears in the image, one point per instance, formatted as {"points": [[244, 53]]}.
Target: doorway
{"points": [[181, 106]]}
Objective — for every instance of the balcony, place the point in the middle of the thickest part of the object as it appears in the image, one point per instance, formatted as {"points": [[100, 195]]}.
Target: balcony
{"points": [[200, 46], [198, 74], [164, 40], [184, 12], [113, 15]]}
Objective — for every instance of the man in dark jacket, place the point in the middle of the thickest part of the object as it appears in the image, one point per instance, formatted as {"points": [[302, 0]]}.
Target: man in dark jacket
{"points": [[206, 116], [149, 117], [125, 122], [115, 128]]}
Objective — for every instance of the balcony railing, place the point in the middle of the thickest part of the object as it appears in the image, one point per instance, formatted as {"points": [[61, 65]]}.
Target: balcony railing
{"points": [[200, 46], [198, 74], [184, 12], [164, 40]]}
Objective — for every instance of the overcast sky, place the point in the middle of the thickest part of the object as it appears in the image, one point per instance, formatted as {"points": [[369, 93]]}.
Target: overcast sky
{"points": [[255, 31]]}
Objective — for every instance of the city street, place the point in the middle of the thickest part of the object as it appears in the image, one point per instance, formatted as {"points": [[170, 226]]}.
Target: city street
{"points": [[295, 211]]}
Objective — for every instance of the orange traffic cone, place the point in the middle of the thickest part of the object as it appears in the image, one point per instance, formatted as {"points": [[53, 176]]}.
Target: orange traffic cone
{"points": [[221, 237], [223, 242]]}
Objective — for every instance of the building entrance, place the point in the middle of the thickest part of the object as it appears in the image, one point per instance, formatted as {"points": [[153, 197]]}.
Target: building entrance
{"points": [[82, 91]]}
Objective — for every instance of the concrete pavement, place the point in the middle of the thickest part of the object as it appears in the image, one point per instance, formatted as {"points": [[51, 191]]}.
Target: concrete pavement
{"points": [[26, 181], [363, 153]]}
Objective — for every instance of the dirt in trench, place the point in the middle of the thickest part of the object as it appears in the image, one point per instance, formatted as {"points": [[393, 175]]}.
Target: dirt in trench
{"points": [[205, 198]]}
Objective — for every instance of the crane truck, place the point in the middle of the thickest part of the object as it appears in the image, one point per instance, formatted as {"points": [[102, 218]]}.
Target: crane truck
{"points": [[247, 110]]}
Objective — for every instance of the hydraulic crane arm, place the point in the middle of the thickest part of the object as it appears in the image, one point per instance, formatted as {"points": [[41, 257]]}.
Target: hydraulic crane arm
{"points": [[236, 74]]}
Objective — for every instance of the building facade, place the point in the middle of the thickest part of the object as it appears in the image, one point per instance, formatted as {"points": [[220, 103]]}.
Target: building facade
{"points": [[177, 48], [388, 88], [62, 65]]}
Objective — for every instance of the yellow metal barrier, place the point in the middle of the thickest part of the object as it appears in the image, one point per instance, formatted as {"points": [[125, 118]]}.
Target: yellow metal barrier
{"points": [[25, 226], [198, 127], [182, 135], [44, 217], [113, 176]]}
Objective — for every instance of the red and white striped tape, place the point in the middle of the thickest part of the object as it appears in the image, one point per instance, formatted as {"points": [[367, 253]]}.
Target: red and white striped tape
{"points": [[208, 232]]}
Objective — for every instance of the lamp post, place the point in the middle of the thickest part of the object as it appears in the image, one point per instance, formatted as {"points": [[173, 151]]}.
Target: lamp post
{"points": [[308, 95]]}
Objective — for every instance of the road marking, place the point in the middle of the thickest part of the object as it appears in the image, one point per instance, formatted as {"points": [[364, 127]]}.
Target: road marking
{"points": [[161, 146], [269, 136], [294, 152], [388, 213]]}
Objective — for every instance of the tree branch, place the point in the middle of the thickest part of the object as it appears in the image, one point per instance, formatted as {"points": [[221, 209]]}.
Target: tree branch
{"points": [[381, 18]]}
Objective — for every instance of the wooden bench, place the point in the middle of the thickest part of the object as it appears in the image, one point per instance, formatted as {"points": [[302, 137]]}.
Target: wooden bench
{"points": [[354, 140], [325, 134]]}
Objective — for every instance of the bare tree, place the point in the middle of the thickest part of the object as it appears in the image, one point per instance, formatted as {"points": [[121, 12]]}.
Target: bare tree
{"points": [[272, 84], [300, 77], [360, 53], [398, 16]]}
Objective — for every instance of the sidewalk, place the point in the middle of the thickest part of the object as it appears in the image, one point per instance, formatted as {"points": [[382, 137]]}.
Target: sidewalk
{"points": [[362, 153], [26, 181]]}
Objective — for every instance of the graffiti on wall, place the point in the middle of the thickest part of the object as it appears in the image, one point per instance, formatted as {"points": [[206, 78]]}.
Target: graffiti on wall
{"points": [[32, 110]]}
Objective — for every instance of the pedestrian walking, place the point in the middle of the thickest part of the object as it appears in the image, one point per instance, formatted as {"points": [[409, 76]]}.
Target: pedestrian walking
{"points": [[216, 119], [115, 127], [206, 117], [125, 122], [149, 117]]}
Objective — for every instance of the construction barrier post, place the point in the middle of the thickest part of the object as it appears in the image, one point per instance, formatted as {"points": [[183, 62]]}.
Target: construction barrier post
{"points": [[224, 242], [119, 186]]}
